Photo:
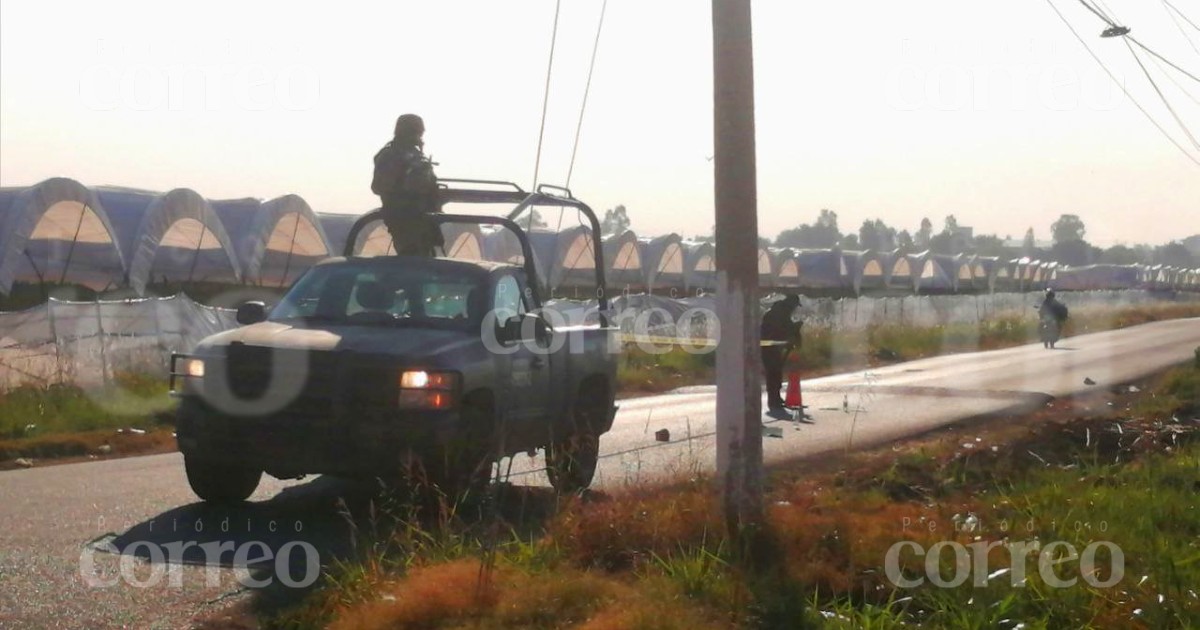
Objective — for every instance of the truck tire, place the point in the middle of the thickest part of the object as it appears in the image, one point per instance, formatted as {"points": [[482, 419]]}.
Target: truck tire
{"points": [[571, 457], [218, 483]]}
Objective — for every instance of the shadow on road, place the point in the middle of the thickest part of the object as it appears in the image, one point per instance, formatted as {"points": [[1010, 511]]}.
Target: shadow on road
{"points": [[278, 544]]}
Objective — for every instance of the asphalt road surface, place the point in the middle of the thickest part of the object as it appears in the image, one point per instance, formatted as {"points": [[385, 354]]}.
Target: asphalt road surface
{"points": [[123, 543]]}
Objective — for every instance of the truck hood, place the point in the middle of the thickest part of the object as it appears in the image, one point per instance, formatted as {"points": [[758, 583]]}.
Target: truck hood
{"points": [[413, 343]]}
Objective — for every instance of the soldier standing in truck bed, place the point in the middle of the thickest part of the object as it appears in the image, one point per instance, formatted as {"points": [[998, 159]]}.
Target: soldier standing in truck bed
{"points": [[407, 187]]}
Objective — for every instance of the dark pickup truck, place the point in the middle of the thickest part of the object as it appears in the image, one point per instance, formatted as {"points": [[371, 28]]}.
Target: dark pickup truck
{"points": [[397, 365]]}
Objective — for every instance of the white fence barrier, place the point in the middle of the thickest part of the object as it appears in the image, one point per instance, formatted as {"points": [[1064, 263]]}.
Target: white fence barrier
{"points": [[89, 342]]}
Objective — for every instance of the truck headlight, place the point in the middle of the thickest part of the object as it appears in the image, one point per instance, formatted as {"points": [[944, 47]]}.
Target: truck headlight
{"points": [[420, 389], [193, 367], [420, 379]]}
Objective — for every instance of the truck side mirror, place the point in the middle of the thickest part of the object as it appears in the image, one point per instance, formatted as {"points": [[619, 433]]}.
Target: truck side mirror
{"points": [[251, 313], [526, 327], [509, 331]]}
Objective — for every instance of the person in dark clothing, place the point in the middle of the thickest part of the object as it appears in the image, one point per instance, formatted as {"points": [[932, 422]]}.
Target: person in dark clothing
{"points": [[1052, 314], [777, 326], [407, 187]]}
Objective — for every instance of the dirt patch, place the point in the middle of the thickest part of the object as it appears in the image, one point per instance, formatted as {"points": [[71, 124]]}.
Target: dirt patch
{"points": [[86, 446]]}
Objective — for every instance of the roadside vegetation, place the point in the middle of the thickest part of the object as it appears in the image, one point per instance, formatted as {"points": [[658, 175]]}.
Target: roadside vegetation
{"points": [[66, 421], [654, 369], [1119, 466], [70, 421]]}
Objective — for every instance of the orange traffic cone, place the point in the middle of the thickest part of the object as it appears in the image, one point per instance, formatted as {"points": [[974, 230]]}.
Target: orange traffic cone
{"points": [[794, 399]]}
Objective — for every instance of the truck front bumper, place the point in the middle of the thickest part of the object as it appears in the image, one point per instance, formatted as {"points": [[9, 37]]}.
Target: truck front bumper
{"points": [[365, 442]]}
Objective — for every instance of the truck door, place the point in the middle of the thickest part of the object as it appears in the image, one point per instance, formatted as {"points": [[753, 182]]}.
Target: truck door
{"points": [[523, 366]]}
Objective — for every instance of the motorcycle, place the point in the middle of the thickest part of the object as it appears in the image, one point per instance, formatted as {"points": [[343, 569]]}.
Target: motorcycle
{"points": [[1049, 328]]}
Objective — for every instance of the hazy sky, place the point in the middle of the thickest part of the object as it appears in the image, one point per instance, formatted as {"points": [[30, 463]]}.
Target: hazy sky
{"points": [[992, 112]]}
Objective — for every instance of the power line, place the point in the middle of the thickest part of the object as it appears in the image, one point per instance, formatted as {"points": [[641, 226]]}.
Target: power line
{"points": [[1179, 26], [1185, 18], [1168, 61], [537, 163], [587, 89], [1098, 12], [1172, 78], [1122, 86], [1162, 96], [1114, 25]]}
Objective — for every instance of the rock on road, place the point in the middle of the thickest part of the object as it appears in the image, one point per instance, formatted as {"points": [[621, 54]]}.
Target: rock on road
{"points": [[59, 524]]}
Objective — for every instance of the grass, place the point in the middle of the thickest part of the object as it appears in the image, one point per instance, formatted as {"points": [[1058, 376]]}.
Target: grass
{"points": [[1082, 471], [68, 421], [655, 369]]}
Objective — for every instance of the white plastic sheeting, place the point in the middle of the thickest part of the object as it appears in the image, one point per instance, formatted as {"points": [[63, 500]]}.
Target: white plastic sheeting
{"points": [[60, 231], [694, 317], [90, 342], [57, 231]]}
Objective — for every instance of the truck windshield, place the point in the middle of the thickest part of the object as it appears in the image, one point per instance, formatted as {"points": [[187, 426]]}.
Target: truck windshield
{"points": [[380, 295]]}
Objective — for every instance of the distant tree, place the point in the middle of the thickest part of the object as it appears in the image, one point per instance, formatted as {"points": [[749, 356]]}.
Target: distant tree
{"points": [[991, 245], [904, 240], [921, 238], [876, 236], [868, 236], [1193, 245], [533, 220], [849, 241], [1029, 247], [950, 225], [764, 242], [1119, 255], [615, 221], [823, 234], [1175, 254], [1069, 247], [941, 243], [1075, 253], [1068, 227]]}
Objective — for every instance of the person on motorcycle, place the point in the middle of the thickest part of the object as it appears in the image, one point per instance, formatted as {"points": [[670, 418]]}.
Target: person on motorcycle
{"points": [[1052, 314]]}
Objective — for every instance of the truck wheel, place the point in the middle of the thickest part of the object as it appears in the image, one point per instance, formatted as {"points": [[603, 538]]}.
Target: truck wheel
{"points": [[571, 458], [217, 483]]}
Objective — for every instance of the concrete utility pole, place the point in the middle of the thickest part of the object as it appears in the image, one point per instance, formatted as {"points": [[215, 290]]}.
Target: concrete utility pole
{"points": [[739, 402]]}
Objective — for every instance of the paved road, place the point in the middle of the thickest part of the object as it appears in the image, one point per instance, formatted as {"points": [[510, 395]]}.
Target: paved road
{"points": [[60, 523]]}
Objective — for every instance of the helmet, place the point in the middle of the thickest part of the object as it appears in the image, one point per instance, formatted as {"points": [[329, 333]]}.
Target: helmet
{"points": [[409, 127]]}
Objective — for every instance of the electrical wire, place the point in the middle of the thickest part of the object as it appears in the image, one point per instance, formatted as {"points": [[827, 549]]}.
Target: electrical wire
{"points": [[1179, 26], [1121, 85], [537, 163], [1172, 78], [587, 88], [1100, 14], [1162, 96], [1167, 61], [1111, 21], [1185, 18]]}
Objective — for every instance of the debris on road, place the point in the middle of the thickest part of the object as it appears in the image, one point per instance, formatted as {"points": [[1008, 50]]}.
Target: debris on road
{"points": [[23, 462], [662, 435], [1088, 381]]}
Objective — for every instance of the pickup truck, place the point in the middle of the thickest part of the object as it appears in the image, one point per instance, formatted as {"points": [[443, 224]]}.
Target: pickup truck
{"points": [[395, 365]]}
